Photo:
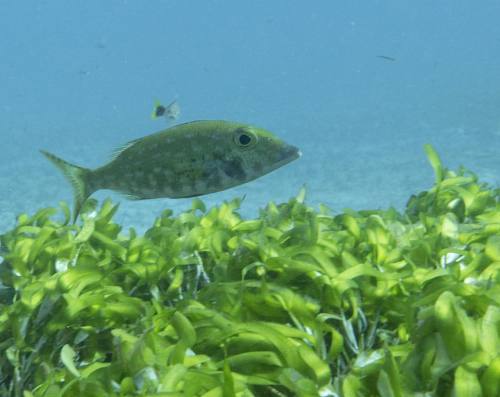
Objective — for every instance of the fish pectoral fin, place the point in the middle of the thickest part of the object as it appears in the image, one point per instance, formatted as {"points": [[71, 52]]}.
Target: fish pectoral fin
{"points": [[233, 168]]}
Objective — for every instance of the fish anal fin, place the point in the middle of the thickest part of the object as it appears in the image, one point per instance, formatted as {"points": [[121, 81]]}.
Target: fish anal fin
{"points": [[130, 196]]}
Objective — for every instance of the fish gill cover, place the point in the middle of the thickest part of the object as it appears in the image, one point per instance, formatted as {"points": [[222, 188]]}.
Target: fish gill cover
{"points": [[297, 302]]}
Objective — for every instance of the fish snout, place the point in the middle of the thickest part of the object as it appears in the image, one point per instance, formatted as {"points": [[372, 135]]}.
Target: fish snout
{"points": [[288, 153]]}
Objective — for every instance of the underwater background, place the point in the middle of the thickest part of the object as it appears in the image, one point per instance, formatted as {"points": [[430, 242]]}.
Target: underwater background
{"points": [[359, 86], [391, 289]]}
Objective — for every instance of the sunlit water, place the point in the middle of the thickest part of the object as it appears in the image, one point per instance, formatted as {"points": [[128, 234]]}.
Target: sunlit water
{"points": [[79, 79]]}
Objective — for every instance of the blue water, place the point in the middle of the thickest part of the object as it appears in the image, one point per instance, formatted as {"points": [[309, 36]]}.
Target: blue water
{"points": [[79, 79]]}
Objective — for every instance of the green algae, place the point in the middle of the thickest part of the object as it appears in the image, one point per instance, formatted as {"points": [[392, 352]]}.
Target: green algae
{"points": [[298, 302]]}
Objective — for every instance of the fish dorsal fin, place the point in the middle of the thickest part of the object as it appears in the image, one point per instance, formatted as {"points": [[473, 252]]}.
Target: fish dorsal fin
{"points": [[120, 149]]}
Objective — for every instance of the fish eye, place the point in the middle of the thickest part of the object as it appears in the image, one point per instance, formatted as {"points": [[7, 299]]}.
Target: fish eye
{"points": [[245, 138]]}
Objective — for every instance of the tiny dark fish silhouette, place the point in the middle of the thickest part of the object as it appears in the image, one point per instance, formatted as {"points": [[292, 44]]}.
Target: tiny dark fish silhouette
{"points": [[170, 112], [159, 111], [387, 58]]}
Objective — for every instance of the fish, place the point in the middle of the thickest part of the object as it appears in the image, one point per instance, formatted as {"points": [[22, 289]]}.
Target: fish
{"points": [[171, 112], [387, 58], [186, 160]]}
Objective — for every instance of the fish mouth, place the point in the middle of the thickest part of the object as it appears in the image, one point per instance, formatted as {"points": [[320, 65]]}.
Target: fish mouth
{"points": [[287, 155], [290, 153]]}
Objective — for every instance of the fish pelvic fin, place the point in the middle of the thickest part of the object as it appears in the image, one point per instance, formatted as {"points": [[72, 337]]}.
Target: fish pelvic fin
{"points": [[77, 176]]}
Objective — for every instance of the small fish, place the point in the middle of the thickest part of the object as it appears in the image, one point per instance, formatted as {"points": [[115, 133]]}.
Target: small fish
{"points": [[387, 58], [170, 112], [186, 160]]}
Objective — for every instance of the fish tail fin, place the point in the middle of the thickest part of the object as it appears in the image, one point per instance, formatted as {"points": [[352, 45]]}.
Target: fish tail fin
{"points": [[157, 109], [77, 176]]}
